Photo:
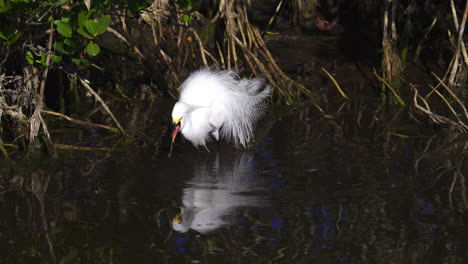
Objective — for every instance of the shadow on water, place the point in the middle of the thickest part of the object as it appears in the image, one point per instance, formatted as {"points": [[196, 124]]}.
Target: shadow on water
{"points": [[368, 186]]}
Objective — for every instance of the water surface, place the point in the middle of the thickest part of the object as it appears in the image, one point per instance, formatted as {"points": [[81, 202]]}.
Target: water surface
{"points": [[366, 184]]}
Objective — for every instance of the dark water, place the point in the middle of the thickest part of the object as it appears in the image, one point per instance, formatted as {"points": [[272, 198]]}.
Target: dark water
{"points": [[369, 185], [305, 193]]}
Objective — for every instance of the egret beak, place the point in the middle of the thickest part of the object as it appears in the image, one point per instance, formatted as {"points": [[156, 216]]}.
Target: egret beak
{"points": [[177, 218], [175, 131]]}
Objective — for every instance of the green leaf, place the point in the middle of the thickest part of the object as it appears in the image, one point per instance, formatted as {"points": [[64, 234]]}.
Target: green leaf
{"points": [[3, 35], [76, 61], [57, 58], [186, 18], [70, 43], [64, 28], [5, 6], [103, 24], [64, 49], [9, 34], [93, 49], [59, 47], [82, 63], [43, 60], [82, 19], [30, 57], [98, 27], [83, 33]]}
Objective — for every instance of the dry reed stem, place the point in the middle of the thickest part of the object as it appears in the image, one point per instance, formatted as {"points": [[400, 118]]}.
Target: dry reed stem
{"points": [[463, 188], [455, 22], [454, 14], [385, 36], [452, 187], [104, 105], [223, 64], [428, 144], [70, 147], [448, 104], [399, 99], [426, 34], [336, 84], [79, 122], [202, 48], [259, 64], [240, 34], [438, 119], [247, 22], [452, 94], [459, 44], [36, 120], [121, 37], [229, 57], [270, 22]]}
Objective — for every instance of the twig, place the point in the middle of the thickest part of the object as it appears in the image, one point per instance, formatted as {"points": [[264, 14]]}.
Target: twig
{"points": [[221, 55], [463, 187], [79, 122], [448, 104], [455, 21], [104, 105], [36, 119], [121, 37], [278, 8], [454, 14], [336, 84], [436, 118], [452, 187], [459, 44], [391, 88], [202, 48], [418, 49], [452, 94], [70, 147]]}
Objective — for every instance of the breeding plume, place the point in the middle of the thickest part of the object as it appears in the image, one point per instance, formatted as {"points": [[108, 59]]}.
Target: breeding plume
{"points": [[218, 105]]}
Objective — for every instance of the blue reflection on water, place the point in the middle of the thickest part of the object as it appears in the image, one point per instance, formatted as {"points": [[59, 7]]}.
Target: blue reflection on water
{"points": [[276, 223]]}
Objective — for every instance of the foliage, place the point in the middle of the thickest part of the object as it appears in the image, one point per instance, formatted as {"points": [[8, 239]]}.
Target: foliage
{"points": [[187, 7], [78, 26]]}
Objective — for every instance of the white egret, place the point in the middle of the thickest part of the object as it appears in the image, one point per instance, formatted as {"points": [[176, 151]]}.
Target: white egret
{"points": [[218, 104], [216, 190]]}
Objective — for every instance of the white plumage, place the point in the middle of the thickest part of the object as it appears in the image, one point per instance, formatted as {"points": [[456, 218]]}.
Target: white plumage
{"points": [[218, 104], [218, 188]]}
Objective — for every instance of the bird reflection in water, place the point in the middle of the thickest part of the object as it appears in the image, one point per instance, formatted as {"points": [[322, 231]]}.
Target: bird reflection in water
{"points": [[219, 187]]}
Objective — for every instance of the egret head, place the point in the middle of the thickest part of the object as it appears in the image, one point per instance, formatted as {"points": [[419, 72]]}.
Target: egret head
{"points": [[178, 113]]}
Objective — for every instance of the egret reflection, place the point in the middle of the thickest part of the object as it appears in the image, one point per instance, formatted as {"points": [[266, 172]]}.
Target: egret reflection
{"points": [[218, 188]]}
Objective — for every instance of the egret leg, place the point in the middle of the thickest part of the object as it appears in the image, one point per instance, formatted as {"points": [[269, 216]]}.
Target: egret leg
{"points": [[206, 148]]}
